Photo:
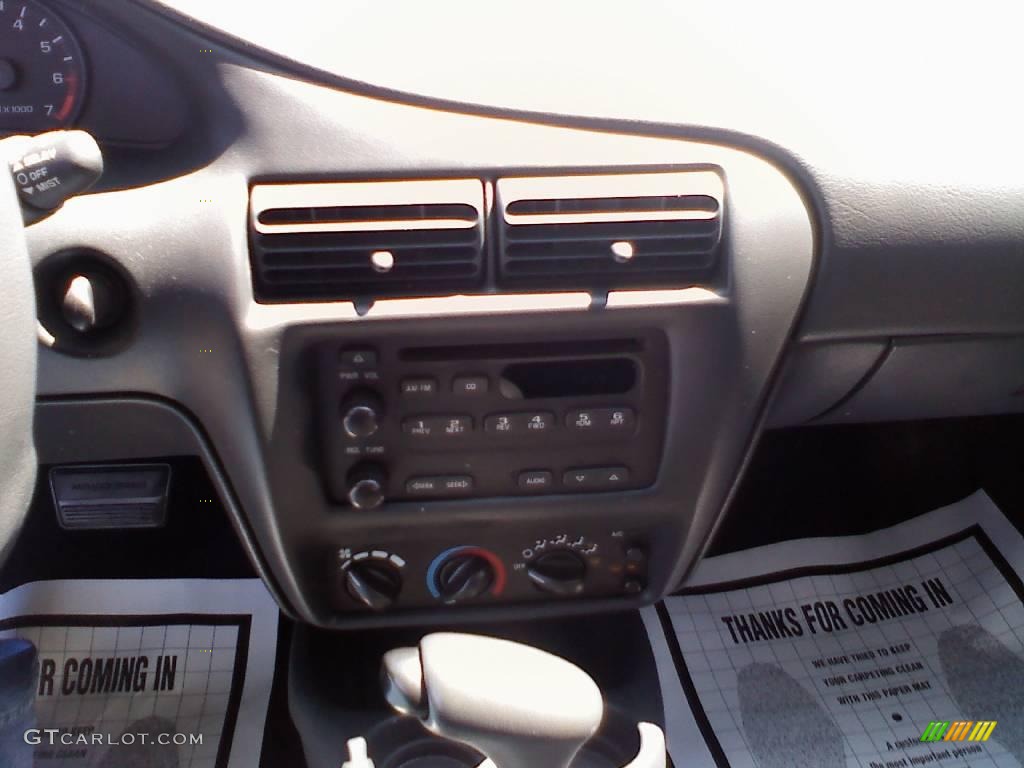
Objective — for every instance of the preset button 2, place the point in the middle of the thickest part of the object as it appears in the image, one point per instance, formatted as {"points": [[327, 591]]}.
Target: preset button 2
{"points": [[431, 426]]}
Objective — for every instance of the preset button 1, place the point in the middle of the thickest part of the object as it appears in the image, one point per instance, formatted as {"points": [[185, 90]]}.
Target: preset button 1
{"points": [[438, 427]]}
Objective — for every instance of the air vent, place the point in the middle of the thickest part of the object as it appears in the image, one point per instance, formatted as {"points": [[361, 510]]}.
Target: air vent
{"points": [[366, 240], [599, 232]]}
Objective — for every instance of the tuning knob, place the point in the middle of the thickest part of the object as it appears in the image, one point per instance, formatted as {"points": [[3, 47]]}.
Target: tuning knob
{"points": [[374, 583], [560, 573], [361, 414], [463, 577], [366, 484]]}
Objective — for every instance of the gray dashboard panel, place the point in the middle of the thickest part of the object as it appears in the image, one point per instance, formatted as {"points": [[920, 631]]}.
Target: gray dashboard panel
{"points": [[818, 376], [70, 430], [939, 377], [901, 123], [202, 341]]}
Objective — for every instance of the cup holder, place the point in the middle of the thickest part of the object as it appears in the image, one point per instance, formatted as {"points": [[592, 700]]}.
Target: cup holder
{"points": [[402, 742]]}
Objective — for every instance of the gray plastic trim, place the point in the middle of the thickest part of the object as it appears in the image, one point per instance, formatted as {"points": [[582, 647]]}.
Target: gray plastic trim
{"points": [[938, 377], [817, 378], [128, 428], [904, 201]]}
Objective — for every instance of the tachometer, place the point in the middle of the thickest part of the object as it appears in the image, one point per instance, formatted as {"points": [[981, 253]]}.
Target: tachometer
{"points": [[42, 72]]}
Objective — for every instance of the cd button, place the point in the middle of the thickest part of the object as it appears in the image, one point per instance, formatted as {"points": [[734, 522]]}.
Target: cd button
{"points": [[470, 386]]}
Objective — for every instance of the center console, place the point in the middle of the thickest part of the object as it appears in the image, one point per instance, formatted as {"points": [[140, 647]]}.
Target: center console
{"points": [[556, 449], [460, 419]]}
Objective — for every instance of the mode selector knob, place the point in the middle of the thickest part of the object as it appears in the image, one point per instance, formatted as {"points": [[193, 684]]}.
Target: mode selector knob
{"points": [[366, 484], [361, 414], [558, 573], [374, 583]]}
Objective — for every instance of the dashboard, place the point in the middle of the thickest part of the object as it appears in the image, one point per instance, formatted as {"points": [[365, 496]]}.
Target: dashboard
{"points": [[465, 336]]}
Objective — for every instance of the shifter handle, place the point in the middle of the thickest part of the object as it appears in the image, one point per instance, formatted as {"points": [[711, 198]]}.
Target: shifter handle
{"points": [[519, 706]]}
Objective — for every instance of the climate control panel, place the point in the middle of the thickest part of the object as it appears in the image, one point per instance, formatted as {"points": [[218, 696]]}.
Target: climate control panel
{"points": [[405, 422], [426, 574]]}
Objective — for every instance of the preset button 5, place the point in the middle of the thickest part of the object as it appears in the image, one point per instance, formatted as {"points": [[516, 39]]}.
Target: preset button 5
{"points": [[605, 420]]}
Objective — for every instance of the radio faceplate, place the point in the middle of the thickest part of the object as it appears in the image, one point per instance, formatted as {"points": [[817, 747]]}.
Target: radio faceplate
{"points": [[464, 418]]}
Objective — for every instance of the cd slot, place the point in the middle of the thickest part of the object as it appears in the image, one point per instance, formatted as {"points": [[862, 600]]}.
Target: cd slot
{"points": [[585, 347]]}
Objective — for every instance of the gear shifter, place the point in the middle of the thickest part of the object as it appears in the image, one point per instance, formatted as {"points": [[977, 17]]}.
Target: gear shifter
{"points": [[519, 706]]}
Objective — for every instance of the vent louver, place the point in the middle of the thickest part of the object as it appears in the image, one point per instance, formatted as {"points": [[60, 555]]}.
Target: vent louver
{"points": [[366, 240], [599, 232]]}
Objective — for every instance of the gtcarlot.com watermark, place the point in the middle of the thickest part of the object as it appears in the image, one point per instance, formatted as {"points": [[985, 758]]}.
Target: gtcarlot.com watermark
{"points": [[87, 737]]}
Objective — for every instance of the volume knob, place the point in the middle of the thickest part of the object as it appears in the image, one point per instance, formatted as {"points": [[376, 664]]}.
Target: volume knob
{"points": [[361, 414]]}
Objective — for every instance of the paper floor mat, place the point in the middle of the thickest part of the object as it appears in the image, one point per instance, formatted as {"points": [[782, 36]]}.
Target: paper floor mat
{"points": [[903, 647], [135, 674]]}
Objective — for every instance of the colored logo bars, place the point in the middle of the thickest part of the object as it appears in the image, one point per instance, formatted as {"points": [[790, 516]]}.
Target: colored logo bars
{"points": [[958, 730]]}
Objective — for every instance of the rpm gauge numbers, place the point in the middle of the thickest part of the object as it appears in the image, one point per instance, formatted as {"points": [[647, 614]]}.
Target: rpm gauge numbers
{"points": [[42, 72]]}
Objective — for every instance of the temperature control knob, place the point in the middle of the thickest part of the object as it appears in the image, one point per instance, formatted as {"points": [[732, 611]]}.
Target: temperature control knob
{"points": [[463, 577], [361, 414], [366, 483], [561, 572], [374, 583]]}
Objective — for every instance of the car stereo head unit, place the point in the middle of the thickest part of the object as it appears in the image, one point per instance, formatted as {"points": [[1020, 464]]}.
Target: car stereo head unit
{"points": [[405, 421]]}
